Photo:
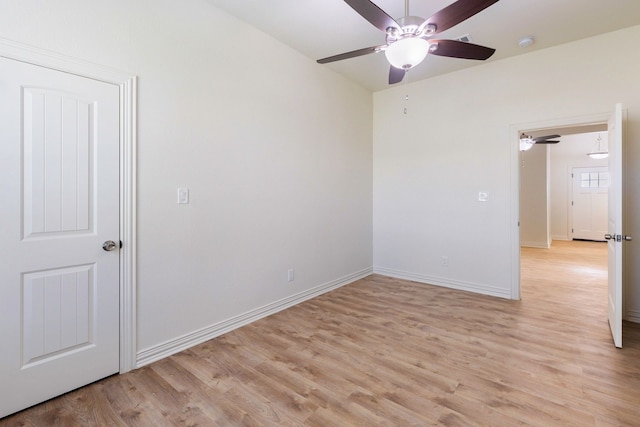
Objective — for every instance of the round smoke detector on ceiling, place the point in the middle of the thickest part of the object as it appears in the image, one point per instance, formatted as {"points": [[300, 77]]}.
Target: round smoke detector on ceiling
{"points": [[525, 41]]}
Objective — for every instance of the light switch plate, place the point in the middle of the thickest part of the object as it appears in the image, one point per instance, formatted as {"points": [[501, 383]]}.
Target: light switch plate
{"points": [[183, 196]]}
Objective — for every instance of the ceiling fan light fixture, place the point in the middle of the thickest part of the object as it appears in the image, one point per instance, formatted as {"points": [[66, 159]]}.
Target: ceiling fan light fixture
{"points": [[526, 142], [407, 41], [407, 53]]}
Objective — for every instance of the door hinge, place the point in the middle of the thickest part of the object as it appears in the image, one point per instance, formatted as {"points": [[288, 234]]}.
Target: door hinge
{"points": [[572, 203]]}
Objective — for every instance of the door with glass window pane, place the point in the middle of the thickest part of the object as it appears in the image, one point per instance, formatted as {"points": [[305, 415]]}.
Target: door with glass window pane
{"points": [[589, 203]]}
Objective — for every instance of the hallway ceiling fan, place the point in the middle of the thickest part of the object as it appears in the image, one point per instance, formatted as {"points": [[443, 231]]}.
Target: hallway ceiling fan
{"points": [[409, 39], [526, 142]]}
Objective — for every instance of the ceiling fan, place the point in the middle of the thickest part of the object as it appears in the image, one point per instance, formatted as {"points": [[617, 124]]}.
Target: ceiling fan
{"points": [[409, 39], [526, 142]]}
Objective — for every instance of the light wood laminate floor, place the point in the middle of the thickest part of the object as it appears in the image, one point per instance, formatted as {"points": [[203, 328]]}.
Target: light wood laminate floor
{"points": [[391, 352]]}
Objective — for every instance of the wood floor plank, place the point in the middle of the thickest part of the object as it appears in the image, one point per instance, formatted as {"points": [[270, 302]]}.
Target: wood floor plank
{"points": [[390, 352], [200, 394]]}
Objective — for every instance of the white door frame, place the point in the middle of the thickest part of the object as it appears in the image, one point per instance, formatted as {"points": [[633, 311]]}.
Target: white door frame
{"points": [[127, 84], [515, 131]]}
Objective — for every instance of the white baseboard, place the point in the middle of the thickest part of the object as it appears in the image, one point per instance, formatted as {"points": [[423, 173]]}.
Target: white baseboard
{"points": [[540, 245], [447, 283], [564, 238], [152, 354], [633, 316]]}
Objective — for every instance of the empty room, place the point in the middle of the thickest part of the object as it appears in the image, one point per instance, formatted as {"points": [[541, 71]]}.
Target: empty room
{"points": [[222, 212]]}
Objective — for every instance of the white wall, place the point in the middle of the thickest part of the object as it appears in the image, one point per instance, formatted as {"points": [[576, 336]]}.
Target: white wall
{"points": [[534, 197], [275, 149], [277, 153], [568, 154], [457, 139]]}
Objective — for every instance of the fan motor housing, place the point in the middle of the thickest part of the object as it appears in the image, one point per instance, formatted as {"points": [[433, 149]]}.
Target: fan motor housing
{"points": [[410, 24]]}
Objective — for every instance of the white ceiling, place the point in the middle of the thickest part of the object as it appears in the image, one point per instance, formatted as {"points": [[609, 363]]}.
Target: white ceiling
{"points": [[321, 28]]}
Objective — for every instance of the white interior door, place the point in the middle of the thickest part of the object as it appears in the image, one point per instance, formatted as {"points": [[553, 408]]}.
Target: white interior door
{"points": [[59, 188], [589, 203], [614, 235]]}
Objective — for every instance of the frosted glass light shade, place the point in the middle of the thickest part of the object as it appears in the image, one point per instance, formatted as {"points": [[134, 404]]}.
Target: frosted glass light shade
{"points": [[407, 53], [526, 144]]}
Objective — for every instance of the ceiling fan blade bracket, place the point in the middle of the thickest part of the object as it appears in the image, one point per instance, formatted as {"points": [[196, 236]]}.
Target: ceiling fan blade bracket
{"points": [[430, 29], [427, 29], [393, 34]]}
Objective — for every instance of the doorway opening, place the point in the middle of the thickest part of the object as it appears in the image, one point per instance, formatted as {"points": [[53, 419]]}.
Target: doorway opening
{"points": [[615, 235], [563, 206], [542, 187]]}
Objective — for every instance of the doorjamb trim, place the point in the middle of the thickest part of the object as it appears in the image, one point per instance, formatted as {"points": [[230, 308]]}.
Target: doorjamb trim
{"points": [[128, 141]]}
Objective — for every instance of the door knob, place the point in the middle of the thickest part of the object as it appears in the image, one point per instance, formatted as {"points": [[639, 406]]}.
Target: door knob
{"points": [[109, 245], [617, 237]]}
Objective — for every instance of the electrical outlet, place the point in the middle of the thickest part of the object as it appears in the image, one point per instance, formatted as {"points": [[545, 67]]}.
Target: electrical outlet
{"points": [[445, 261], [291, 275]]}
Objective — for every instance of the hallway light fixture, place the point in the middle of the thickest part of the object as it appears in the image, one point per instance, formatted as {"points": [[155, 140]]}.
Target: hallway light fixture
{"points": [[599, 150]]}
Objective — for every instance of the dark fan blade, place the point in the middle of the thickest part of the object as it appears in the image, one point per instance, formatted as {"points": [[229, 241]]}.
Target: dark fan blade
{"points": [[458, 49], [352, 54], [373, 14], [456, 12], [542, 139], [546, 141], [396, 75]]}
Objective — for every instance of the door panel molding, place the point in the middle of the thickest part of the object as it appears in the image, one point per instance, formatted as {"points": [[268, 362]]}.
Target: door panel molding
{"points": [[127, 84]]}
